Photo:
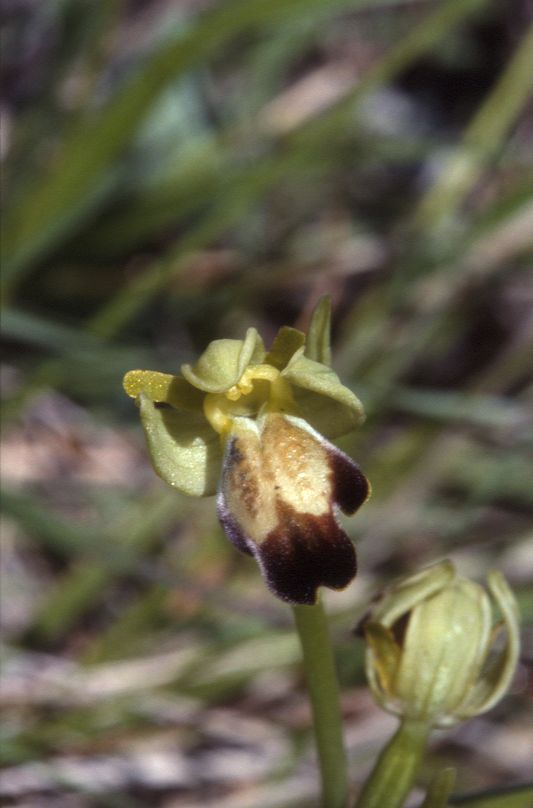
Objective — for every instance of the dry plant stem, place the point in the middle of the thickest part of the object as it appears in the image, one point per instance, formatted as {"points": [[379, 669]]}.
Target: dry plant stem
{"points": [[323, 689], [394, 772]]}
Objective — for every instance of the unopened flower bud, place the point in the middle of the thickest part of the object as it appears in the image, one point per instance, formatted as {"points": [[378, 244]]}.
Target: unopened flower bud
{"points": [[432, 649]]}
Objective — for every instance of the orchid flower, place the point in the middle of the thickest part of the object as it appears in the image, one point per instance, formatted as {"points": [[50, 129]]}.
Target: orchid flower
{"points": [[255, 426]]}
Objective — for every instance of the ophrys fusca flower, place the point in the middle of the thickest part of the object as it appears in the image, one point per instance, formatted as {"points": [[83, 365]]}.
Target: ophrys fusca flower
{"points": [[255, 426]]}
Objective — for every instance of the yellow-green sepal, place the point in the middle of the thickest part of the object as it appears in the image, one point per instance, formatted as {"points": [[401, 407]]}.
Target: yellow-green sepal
{"points": [[406, 593], [497, 674], [224, 361], [184, 450], [330, 407], [163, 388], [454, 625]]}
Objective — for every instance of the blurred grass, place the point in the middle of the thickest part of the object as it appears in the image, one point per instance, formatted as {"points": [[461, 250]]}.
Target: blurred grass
{"points": [[174, 174], [75, 182]]}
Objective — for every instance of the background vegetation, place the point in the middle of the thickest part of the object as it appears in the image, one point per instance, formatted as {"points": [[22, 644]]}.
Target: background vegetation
{"points": [[175, 171]]}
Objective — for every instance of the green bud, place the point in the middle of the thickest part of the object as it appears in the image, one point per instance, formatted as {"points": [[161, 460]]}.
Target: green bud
{"points": [[431, 652]]}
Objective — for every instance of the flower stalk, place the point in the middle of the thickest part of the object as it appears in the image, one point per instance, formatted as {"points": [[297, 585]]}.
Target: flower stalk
{"points": [[396, 768], [323, 689]]}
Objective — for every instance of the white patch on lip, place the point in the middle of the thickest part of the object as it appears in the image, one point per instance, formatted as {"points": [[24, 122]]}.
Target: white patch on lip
{"points": [[276, 460]]}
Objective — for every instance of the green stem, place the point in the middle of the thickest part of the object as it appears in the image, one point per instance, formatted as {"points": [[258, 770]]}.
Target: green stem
{"points": [[394, 772], [323, 689], [520, 796]]}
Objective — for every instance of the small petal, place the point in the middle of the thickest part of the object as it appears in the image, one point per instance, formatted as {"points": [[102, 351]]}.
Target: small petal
{"points": [[317, 344], [286, 343], [332, 409], [280, 485], [163, 388], [223, 362], [184, 450]]}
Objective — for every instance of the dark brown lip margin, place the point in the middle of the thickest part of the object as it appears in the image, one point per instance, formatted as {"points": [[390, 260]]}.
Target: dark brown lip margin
{"points": [[301, 554], [306, 551]]}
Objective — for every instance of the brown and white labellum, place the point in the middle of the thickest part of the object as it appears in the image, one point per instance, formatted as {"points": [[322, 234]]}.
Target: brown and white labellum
{"points": [[282, 484]]}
